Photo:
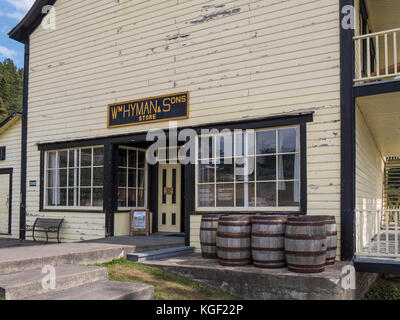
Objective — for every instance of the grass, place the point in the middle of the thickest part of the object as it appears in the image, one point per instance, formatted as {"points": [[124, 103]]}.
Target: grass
{"points": [[384, 289], [167, 286]]}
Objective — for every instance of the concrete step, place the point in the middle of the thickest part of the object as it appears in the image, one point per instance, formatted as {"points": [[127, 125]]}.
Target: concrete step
{"points": [[16, 286], [159, 254], [102, 290]]}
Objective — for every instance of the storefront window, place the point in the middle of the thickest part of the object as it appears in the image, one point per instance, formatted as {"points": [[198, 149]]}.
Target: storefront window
{"points": [[74, 177], [131, 178], [253, 169]]}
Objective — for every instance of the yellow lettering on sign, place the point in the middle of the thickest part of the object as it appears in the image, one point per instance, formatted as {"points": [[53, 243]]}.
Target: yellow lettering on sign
{"points": [[114, 112], [167, 104]]}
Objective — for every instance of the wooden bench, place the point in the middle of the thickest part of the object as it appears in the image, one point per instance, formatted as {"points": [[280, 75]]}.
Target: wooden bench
{"points": [[47, 226]]}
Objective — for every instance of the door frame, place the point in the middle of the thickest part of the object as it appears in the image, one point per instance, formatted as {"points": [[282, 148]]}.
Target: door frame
{"points": [[181, 195], [8, 171]]}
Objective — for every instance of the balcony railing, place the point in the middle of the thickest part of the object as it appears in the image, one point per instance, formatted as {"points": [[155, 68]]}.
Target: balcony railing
{"points": [[378, 233], [377, 56]]}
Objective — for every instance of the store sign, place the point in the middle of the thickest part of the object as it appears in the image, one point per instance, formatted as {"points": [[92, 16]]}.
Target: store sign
{"points": [[162, 108]]}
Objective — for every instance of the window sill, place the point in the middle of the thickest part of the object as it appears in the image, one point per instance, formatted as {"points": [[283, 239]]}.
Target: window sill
{"points": [[72, 210]]}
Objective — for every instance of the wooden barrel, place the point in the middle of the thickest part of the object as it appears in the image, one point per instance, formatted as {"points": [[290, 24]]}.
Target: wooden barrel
{"points": [[268, 241], [305, 244], [331, 237], [208, 236], [234, 240]]}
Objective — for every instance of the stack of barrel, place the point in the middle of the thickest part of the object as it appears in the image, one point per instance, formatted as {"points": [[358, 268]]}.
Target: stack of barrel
{"points": [[306, 244]]}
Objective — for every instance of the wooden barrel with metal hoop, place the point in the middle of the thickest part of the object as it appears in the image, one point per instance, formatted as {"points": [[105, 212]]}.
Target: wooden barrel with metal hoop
{"points": [[208, 236], [305, 244], [331, 237], [268, 241], [234, 240]]}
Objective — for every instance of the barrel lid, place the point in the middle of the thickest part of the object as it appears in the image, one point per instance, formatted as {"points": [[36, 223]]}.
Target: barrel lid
{"points": [[235, 218], [307, 219], [270, 217]]}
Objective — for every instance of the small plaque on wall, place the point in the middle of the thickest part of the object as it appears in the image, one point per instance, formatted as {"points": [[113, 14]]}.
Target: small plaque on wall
{"points": [[140, 222]]}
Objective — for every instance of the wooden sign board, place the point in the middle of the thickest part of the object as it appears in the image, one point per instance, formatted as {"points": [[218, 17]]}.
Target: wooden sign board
{"points": [[140, 222], [155, 109]]}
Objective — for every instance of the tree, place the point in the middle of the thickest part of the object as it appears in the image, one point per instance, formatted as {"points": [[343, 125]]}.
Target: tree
{"points": [[11, 84]]}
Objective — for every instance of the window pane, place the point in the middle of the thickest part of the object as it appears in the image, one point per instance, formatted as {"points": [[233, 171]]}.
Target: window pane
{"points": [[141, 178], [206, 195], [98, 175], [85, 195], [288, 140], [245, 195], [51, 178], [63, 197], [121, 197], [141, 159], [51, 196], [62, 159], [98, 156], [206, 147], [51, 160], [132, 198], [224, 145], [97, 197], [132, 178], [86, 177], [289, 167], [121, 177], [141, 195], [132, 159], [289, 194], [266, 168], [86, 157], [73, 196], [73, 177], [266, 141], [206, 172], [266, 194], [244, 143], [245, 168], [62, 175], [225, 195], [73, 158], [122, 157], [225, 170]]}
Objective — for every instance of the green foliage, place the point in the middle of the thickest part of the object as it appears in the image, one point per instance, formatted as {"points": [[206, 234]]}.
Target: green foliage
{"points": [[11, 83], [384, 289]]}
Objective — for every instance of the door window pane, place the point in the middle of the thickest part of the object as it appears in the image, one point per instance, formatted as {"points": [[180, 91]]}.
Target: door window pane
{"points": [[98, 156], [86, 157], [132, 162], [85, 197]]}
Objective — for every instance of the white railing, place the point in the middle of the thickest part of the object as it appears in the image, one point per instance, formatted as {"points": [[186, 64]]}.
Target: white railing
{"points": [[378, 233], [385, 45]]}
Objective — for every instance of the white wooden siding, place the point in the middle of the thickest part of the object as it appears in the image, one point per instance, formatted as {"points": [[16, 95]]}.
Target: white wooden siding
{"points": [[11, 139], [238, 60]]}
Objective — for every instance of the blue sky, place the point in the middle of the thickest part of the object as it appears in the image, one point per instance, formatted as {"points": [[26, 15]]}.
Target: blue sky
{"points": [[11, 12]]}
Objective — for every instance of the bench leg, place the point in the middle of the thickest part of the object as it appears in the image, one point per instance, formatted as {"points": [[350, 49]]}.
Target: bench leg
{"points": [[58, 236], [47, 237], [33, 235]]}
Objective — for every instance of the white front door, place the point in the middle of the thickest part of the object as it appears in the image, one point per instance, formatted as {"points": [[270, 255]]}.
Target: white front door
{"points": [[4, 203], [169, 198]]}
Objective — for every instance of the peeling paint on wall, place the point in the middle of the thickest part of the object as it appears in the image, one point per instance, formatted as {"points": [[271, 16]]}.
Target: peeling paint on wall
{"points": [[213, 16]]}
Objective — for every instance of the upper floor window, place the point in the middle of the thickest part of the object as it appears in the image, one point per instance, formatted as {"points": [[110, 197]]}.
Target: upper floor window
{"points": [[257, 169], [74, 178]]}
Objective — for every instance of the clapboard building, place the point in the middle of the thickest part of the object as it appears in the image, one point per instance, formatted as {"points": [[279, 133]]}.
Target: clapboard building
{"points": [[312, 84]]}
